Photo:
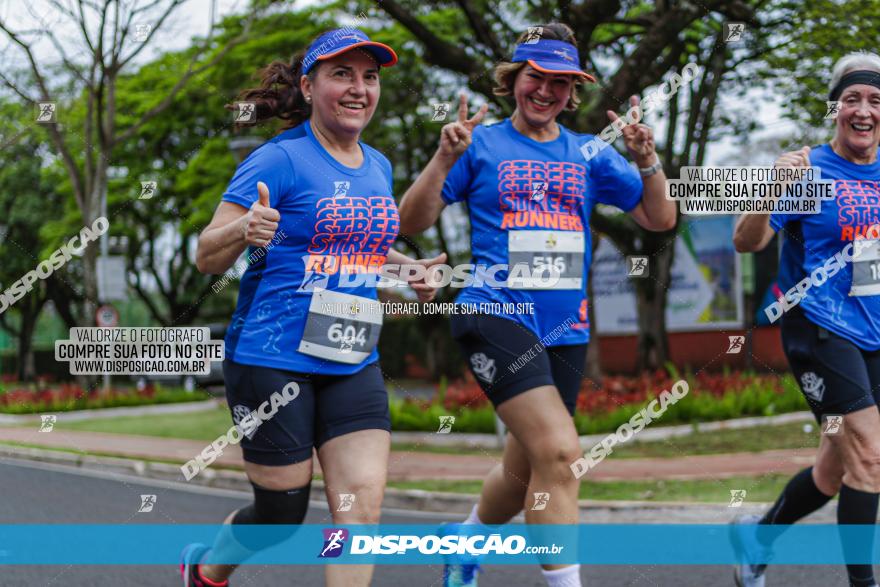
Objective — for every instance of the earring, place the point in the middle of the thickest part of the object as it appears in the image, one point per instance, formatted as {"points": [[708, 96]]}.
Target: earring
{"points": [[308, 99]]}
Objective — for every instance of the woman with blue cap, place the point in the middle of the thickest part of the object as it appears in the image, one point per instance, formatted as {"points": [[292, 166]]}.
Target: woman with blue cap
{"points": [[530, 190], [301, 366]]}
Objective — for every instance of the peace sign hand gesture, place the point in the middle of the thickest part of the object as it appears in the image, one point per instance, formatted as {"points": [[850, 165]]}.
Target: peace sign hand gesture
{"points": [[455, 137], [638, 138]]}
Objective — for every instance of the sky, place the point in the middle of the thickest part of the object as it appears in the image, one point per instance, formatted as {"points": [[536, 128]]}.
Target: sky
{"points": [[193, 18]]}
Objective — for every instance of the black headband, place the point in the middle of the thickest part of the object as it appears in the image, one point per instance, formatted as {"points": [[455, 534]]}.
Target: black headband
{"points": [[871, 78]]}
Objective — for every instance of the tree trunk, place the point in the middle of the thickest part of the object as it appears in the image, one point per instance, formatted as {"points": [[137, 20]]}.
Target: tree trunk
{"points": [[653, 345], [26, 368], [593, 368]]}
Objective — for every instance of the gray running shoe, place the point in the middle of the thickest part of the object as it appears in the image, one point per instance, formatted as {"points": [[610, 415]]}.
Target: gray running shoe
{"points": [[745, 542]]}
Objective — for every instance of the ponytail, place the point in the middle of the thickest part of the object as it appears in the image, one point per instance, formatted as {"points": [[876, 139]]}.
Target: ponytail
{"points": [[279, 94]]}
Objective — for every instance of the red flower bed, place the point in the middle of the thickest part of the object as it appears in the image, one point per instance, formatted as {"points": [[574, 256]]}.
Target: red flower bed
{"points": [[41, 394], [619, 390]]}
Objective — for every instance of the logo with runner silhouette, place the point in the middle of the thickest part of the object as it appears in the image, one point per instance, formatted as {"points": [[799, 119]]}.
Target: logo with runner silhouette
{"points": [[346, 502], [147, 503], [340, 188], [638, 266], [541, 501], [735, 344], [832, 424], [441, 111], [446, 423], [737, 497], [47, 422], [334, 542]]}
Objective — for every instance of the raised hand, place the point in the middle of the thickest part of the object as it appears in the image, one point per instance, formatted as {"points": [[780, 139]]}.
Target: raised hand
{"points": [[799, 158], [638, 138], [455, 137], [261, 221]]}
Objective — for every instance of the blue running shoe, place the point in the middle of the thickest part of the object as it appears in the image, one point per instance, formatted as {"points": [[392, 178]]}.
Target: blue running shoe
{"points": [[460, 570]]}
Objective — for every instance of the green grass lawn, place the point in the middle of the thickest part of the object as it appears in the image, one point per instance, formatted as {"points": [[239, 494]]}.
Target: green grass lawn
{"points": [[783, 436], [758, 489], [207, 425]]}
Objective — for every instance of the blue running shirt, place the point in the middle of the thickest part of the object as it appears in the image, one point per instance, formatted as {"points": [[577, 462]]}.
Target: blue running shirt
{"points": [[855, 208], [529, 204], [333, 219]]}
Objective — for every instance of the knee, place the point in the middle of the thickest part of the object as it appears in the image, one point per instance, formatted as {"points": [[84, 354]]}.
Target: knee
{"points": [[556, 456], [285, 508], [357, 503], [866, 468], [828, 478], [272, 506]]}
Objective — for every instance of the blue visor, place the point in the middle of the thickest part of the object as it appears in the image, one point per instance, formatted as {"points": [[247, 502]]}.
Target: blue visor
{"points": [[549, 56], [338, 41]]}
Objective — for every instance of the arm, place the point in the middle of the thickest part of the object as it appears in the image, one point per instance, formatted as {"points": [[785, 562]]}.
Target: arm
{"points": [[422, 282], [232, 229], [421, 205], [753, 231], [655, 212]]}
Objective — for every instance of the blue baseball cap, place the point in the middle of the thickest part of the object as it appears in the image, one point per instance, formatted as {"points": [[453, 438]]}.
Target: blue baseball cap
{"points": [[551, 56], [338, 41]]}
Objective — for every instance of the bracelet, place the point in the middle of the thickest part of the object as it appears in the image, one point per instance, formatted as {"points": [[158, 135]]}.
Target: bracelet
{"points": [[652, 170]]}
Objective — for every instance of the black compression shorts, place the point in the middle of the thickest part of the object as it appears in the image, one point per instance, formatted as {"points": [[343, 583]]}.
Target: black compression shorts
{"points": [[507, 359]]}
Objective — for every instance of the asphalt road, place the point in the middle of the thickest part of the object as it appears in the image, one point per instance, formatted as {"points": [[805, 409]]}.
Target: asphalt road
{"points": [[36, 493]]}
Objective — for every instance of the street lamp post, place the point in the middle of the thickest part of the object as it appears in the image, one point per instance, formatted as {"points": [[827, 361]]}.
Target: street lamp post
{"points": [[241, 147]]}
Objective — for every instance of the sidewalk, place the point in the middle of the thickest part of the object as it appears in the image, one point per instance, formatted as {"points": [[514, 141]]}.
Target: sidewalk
{"points": [[412, 466]]}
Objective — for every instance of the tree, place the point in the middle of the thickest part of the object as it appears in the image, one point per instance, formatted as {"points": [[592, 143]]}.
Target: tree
{"points": [[26, 192], [111, 35], [645, 42], [185, 149]]}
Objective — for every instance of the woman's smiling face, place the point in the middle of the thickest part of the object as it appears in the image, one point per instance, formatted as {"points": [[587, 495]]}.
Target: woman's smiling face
{"points": [[345, 92], [541, 97], [858, 117]]}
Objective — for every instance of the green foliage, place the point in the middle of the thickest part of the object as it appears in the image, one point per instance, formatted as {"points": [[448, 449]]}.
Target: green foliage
{"points": [[756, 399], [412, 416], [116, 400]]}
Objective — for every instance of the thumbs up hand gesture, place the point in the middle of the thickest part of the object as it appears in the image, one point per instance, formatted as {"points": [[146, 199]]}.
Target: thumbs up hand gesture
{"points": [[261, 221], [799, 158]]}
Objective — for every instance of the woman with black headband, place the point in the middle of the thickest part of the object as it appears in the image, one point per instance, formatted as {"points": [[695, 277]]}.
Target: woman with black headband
{"points": [[530, 190], [830, 269]]}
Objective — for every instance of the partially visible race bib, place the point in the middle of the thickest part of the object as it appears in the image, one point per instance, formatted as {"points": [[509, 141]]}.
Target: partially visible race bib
{"points": [[341, 327], [554, 259], [866, 269]]}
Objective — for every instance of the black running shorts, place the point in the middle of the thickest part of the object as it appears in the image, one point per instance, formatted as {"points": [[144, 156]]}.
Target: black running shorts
{"points": [[835, 375], [507, 359], [326, 406]]}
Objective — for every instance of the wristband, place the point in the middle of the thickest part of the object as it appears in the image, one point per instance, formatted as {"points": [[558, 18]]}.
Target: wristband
{"points": [[652, 170]]}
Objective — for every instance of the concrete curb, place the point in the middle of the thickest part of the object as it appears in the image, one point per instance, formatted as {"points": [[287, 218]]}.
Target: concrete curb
{"points": [[408, 499], [102, 413], [491, 441]]}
